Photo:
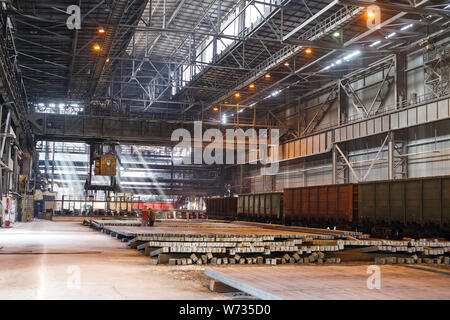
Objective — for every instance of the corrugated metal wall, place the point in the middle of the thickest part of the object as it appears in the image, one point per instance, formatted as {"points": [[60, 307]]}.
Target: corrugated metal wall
{"points": [[427, 148]]}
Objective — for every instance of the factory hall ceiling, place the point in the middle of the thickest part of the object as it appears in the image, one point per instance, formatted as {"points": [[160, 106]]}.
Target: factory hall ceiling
{"points": [[182, 58]]}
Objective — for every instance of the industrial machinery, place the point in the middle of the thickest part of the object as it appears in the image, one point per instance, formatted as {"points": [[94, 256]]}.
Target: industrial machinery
{"points": [[103, 158]]}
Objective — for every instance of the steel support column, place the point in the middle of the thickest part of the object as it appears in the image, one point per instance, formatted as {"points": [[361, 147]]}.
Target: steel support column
{"points": [[391, 156], [334, 161], [400, 77]]}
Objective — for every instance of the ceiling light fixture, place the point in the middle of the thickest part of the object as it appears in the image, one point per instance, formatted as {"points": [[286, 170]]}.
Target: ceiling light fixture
{"points": [[407, 27], [275, 93], [390, 35]]}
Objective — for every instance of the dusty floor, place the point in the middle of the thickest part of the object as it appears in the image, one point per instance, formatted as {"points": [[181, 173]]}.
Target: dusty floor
{"points": [[65, 260], [341, 282]]}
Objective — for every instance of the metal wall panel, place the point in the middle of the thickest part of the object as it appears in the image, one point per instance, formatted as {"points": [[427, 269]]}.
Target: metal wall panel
{"points": [[297, 152], [403, 119], [355, 128], [303, 147], [343, 133], [422, 114], [349, 132], [386, 123], [363, 128], [337, 135], [315, 144], [412, 117], [378, 126], [330, 138], [323, 142], [370, 126], [309, 145], [432, 111], [394, 121], [443, 109], [292, 149]]}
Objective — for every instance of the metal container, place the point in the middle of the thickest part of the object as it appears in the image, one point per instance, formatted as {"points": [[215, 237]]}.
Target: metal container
{"points": [[246, 205], [262, 206], [256, 205], [251, 200], [222, 208], [240, 211], [421, 201], [321, 204]]}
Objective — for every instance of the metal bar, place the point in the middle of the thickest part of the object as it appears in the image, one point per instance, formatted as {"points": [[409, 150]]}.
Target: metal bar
{"points": [[391, 156], [380, 88], [347, 162], [311, 19], [393, 6], [45, 72], [7, 124], [376, 158]]}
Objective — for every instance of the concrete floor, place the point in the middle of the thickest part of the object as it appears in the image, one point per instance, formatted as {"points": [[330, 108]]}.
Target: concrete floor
{"points": [[65, 260], [339, 282]]}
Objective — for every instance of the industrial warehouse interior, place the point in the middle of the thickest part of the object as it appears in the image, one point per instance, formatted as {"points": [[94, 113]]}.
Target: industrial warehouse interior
{"points": [[226, 150]]}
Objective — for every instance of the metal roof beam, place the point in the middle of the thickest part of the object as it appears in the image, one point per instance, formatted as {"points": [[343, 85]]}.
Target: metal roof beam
{"points": [[311, 19], [74, 53], [40, 71], [393, 6]]}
